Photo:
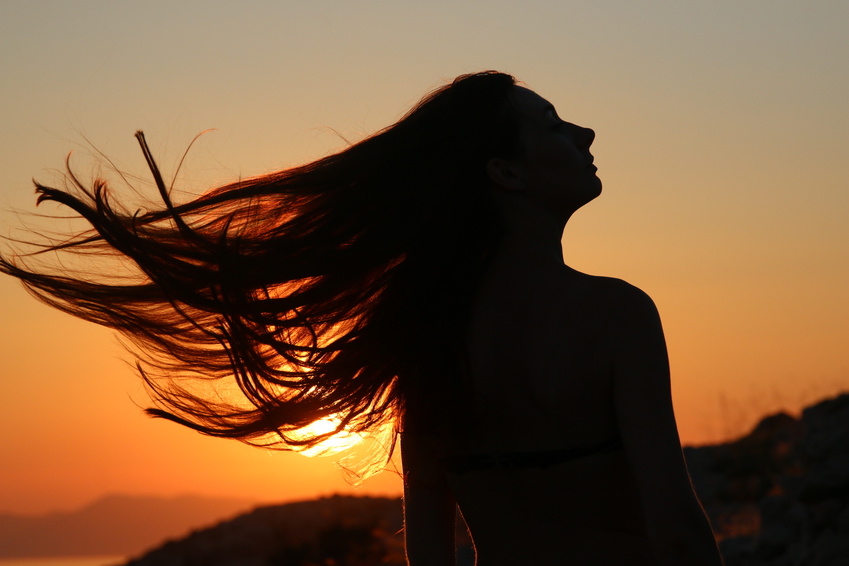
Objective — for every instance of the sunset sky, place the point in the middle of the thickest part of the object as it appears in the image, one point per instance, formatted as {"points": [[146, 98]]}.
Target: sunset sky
{"points": [[722, 140]]}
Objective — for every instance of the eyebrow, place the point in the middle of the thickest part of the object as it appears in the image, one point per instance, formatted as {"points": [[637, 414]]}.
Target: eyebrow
{"points": [[549, 108]]}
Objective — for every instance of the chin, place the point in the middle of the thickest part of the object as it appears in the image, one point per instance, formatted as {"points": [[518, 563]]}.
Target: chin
{"points": [[593, 192], [596, 190]]}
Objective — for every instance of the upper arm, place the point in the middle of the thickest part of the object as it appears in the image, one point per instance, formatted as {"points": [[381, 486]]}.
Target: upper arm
{"points": [[642, 391], [429, 505], [644, 411], [678, 529]]}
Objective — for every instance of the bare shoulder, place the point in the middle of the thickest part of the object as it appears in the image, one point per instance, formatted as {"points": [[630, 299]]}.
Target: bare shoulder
{"points": [[617, 288], [625, 316], [620, 298]]}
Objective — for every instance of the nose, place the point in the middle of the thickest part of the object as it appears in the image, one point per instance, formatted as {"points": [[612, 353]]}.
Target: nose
{"points": [[590, 135]]}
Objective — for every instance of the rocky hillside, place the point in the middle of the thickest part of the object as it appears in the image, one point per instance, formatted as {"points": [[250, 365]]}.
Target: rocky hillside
{"points": [[333, 531], [778, 496]]}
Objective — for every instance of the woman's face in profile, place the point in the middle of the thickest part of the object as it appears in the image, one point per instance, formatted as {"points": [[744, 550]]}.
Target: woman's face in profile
{"points": [[556, 164]]}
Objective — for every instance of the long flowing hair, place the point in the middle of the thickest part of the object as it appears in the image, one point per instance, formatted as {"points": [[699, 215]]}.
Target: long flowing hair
{"points": [[334, 290]]}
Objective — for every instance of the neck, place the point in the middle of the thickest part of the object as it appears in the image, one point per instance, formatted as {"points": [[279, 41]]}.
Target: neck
{"points": [[532, 233], [539, 244]]}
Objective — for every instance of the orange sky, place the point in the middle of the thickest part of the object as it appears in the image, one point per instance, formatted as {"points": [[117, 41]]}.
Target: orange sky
{"points": [[721, 140]]}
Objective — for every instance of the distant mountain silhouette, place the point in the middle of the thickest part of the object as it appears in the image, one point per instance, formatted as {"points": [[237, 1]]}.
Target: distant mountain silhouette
{"points": [[114, 525]]}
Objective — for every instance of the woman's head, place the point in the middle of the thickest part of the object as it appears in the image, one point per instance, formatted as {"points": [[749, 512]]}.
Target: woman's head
{"points": [[553, 174], [466, 121], [439, 150], [483, 137]]}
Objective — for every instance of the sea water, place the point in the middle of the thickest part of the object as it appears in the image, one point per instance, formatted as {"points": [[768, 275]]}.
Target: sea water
{"points": [[65, 561]]}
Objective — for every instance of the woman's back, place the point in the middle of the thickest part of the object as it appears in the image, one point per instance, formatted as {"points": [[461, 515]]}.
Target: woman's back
{"points": [[536, 354], [543, 388]]}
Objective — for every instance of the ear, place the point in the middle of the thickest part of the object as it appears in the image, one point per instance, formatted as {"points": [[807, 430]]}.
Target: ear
{"points": [[505, 173]]}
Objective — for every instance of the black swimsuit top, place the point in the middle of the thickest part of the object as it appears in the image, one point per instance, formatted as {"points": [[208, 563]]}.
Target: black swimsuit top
{"points": [[542, 459]]}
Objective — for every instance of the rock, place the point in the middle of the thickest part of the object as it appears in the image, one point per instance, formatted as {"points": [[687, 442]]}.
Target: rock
{"points": [[824, 514], [780, 495], [827, 425], [830, 549], [736, 550], [842, 522], [826, 478]]}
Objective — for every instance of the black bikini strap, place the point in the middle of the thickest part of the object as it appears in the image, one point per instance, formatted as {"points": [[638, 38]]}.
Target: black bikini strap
{"points": [[542, 460]]}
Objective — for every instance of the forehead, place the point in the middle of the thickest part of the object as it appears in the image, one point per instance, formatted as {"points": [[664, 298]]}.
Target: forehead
{"points": [[528, 103]]}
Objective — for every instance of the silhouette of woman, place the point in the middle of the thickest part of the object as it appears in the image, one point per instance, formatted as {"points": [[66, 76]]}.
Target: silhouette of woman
{"points": [[414, 279]]}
